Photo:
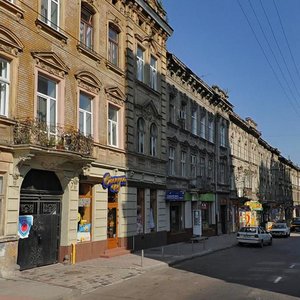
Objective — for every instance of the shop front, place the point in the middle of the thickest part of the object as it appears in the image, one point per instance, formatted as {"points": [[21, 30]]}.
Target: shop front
{"points": [[208, 213], [250, 214]]}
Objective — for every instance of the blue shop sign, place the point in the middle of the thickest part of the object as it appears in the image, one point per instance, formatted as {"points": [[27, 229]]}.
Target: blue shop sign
{"points": [[174, 195]]}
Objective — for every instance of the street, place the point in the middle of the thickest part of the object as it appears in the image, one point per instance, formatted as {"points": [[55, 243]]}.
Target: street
{"points": [[245, 272]]}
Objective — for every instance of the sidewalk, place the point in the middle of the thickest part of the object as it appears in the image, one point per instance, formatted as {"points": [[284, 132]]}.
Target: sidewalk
{"points": [[65, 281]]}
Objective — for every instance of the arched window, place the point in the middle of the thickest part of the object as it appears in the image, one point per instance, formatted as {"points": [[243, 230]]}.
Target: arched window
{"points": [[153, 140], [141, 135]]}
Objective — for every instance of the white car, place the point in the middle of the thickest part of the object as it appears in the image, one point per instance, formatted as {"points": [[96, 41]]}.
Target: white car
{"points": [[280, 229], [254, 235]]}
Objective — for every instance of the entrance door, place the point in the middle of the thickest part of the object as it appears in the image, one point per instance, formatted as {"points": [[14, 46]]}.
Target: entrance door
{"points": [[41, 246], [223, 218], [112, 221]]}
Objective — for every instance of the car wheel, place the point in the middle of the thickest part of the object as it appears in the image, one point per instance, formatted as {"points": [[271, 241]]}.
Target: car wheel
{"points": [[261, 244]]}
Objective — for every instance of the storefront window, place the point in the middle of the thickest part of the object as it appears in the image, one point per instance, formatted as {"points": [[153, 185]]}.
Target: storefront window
{"points": [[140, 219], [153, 210], [176, 217], [84, 213]]}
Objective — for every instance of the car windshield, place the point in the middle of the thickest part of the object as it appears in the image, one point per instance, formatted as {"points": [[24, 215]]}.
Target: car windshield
{"points": [[279, 226], [248, 229]]}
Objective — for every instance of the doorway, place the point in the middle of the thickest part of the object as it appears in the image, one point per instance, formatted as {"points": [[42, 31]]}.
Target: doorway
{"points": [[112, 220], [40, 198]]}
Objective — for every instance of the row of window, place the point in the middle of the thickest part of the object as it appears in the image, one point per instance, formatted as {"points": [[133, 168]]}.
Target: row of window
{"points": [[142, 137]]}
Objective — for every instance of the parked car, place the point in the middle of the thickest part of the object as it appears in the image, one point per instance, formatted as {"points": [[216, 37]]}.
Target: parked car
{"points": [[280, 229], [254, 235], [295, 225]]}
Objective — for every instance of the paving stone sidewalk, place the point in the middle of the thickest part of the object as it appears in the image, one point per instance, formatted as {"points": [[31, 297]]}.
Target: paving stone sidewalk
{"points": [[64, 281]]}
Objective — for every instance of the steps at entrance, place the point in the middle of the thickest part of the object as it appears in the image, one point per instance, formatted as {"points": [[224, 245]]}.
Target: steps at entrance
{"points": [[115, 252]]}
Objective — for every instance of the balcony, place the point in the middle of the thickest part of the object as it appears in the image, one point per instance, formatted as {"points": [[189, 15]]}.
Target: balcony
{"points": [[37, 133]]}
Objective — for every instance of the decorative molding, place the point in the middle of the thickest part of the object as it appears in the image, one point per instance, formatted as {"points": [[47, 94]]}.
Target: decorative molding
{"points": [[9, 42], [51, 63], [88, 81], [115, 95]]}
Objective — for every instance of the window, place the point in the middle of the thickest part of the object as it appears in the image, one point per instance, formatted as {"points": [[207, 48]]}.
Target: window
{"points": [[153, 73], [182, 116], [194, 122], [46, 102], [86, 27], [223, 136], [50, 13], [211, 131], [171, 161], [113, 50], [172, 113], [140, 64], [84, 213], [141, 135], [202, 166], [222, 172], [202, 127], [183, 163], [113, 126], [140, 211], [85, 114], [153, 140], [1, 204], [193, 166], [153, 211], [4, 86], [210, 168]]}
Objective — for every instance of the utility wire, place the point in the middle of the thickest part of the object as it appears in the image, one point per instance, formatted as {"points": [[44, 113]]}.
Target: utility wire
{"points": [[266, 57], [292, 56], [274, 56], [279, 48]]}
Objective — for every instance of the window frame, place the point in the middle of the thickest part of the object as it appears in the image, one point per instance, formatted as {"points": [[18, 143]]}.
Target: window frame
{"points": [[183, 163], [2, 204], [203, 126], [111, 124], [46, 19], [171, 161], [85, 113], [140, 70], [202, 166], [153, 139], [86, 25], [48, 103], [153, 72], [193, 165], [4, 103], [223, 135], [194, 122], [116, 45], [211, 131], [141, 131]]}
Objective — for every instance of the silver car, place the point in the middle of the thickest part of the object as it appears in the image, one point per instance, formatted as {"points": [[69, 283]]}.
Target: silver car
{"points": [[254, 235], [280, 229]]}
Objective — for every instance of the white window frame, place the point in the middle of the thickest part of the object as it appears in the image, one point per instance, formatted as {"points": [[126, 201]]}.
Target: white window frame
{"points": [[49, 100], [203, 127], [85, 113], [171, 161], [141, 135], [193, 166], [153, 72], [113, 127], [113, 49], [140, 64], [47, 18], [85, 26], [5, 81], [183, 163], [211, 130], [194, 122], [153, 140]]}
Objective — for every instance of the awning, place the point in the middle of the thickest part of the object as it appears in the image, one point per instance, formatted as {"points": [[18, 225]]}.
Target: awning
{"points": [[209, 197]]}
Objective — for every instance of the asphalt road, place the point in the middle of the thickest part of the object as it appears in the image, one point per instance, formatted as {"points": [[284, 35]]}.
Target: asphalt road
{"points": [[247, 272]]}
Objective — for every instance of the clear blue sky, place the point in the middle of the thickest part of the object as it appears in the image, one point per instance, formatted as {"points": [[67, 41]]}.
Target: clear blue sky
{"points": [[214, 39]]}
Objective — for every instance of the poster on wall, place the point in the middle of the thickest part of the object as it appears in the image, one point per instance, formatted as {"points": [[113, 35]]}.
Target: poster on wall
{"points": [[25, 223]]}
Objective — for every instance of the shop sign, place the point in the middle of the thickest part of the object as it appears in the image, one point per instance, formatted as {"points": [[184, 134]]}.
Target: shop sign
{"points": [[174, 195], [25, 224], [208, 197], [113, 183], [204, 205], [254, 205]]}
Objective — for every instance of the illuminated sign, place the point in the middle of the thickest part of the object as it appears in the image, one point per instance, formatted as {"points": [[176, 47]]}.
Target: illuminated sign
{"points": [[113, 183]]}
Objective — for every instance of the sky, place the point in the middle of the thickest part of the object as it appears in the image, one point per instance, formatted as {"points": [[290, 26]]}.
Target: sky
{"points": [[250, 49]]}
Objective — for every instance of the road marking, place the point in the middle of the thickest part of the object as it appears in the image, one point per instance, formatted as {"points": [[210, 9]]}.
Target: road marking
{"points": [[277, 279], [292, 266]]}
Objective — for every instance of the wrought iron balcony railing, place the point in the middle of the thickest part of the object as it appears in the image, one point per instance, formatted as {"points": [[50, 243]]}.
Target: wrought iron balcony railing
{"points": [[35, 132]]}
